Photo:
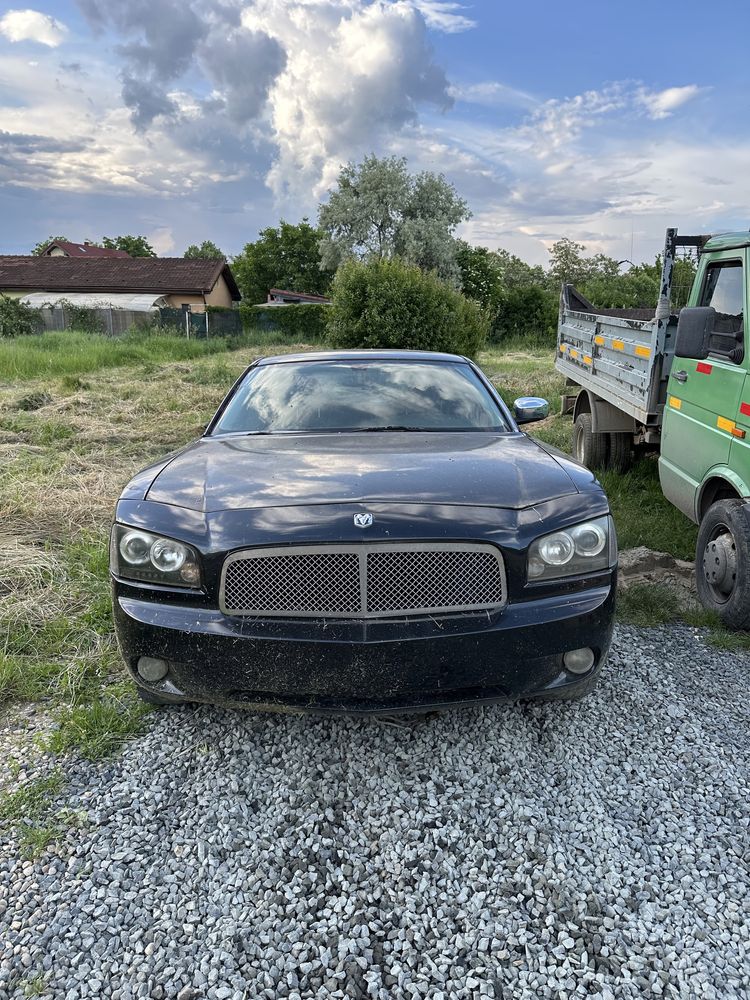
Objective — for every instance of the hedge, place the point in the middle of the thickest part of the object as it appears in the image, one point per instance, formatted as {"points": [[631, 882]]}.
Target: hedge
{"points": [[299, 323]]}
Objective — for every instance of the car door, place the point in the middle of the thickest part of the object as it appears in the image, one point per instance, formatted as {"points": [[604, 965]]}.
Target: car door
{"points": [[704, 397]]}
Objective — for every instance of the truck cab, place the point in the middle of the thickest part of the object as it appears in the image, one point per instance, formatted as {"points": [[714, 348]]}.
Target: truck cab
{"points": [[704, 460], [704, 445]]}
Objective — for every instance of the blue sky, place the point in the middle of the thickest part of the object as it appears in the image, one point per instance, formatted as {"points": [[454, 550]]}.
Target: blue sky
{"points": [[188, 120]]}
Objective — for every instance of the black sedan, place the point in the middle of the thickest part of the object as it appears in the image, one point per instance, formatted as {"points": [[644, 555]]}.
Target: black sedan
{"points": [[364, 531]]}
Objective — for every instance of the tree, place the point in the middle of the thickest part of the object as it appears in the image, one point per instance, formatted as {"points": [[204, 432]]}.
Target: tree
{"points": [[528, 311], [567, 264], [136, 246], [480, 274], [287, 257], [391, 304], [206, 251], [380, 211], [39, 248]]}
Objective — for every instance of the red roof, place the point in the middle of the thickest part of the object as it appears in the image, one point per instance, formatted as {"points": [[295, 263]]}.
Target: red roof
{"points": [[84, 250], [298, 296], [168, 275]]}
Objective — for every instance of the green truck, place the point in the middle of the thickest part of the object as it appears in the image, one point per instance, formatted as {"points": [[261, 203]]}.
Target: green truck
{"points": [[679, 382]]}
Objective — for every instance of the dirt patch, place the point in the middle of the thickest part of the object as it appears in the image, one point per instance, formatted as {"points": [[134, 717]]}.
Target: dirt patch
{"points": [[642, 565]]}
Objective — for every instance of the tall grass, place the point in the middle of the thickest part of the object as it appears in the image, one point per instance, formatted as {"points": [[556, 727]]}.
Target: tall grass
{"points": [[73, 353]]}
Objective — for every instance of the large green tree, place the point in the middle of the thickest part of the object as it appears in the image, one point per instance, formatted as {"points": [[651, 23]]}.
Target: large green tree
{"points": [[136, 246], [206, 251], [379, 211], [287, 257]]}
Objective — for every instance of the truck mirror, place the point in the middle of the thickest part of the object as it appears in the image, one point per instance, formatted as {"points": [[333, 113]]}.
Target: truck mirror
{"points": [[694, 328], [526, 409]]}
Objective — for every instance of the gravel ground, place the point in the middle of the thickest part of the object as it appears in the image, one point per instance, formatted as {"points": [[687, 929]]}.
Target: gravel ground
{"points": [[554, 850]]}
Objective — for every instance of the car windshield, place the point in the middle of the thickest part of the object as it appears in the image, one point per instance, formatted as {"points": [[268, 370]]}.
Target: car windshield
{"points": [[350, 395]]}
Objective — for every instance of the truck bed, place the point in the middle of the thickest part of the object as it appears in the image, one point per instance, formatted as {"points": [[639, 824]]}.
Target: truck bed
{"points": [[621, 355]]}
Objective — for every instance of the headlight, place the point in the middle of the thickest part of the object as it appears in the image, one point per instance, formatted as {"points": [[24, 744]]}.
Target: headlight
{"points": [[584, 548], [141, 555]]}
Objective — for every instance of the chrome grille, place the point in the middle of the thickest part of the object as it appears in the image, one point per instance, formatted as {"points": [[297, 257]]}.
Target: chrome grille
{"points": [[377, 580], [316, 583], [436, 580]]}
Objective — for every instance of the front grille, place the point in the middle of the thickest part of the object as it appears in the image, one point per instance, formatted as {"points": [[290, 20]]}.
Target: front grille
{"points": [[363, 581]]}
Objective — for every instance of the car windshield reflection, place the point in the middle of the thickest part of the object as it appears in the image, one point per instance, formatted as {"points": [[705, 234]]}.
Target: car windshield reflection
{"points": [[335, 396]]}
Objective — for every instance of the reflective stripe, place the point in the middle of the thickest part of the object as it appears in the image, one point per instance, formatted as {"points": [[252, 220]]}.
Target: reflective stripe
{"points": [[573, 354], [599, 341], [703, 368], [586, 359], [725, 425], [675, 402], [745, 409], [642, 352], [738, 432], [618, 345]]}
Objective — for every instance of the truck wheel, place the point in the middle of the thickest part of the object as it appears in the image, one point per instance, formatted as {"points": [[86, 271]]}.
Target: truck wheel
{"points": [[620, 451], [589, 449], [722, 562]]}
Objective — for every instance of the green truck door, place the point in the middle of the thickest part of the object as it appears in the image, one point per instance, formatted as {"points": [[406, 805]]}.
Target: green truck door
{"points": [[702, 412]]}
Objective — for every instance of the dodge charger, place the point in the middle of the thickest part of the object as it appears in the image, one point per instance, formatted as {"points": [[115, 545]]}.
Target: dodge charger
{"points": [[364, 531]]}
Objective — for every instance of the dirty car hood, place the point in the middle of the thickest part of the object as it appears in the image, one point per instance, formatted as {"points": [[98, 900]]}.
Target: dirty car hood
{"points": [[252, 471]]}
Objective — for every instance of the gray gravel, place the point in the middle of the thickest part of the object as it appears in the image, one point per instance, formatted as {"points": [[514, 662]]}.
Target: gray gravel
{"points": [[556, 850]]}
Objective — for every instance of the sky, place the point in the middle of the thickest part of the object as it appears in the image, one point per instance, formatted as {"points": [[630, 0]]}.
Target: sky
{"points": [[186, 120]]}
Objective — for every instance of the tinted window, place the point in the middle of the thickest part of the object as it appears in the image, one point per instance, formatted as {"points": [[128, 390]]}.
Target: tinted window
{"points": [[724, 289], [355, 395]]}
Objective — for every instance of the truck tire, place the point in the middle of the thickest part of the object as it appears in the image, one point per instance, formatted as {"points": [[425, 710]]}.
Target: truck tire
{"points": [[722, 562], [620, 451], [589, 449]]}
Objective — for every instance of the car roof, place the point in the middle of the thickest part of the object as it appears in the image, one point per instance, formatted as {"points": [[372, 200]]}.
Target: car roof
{"points": [[365, 356]]}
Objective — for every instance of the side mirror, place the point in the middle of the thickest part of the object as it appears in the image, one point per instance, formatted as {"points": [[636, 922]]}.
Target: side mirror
{"points": [[694, 328], [526, 409]]}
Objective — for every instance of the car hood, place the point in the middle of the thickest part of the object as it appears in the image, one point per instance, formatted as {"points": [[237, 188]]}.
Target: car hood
{"points": [[253, 471]]}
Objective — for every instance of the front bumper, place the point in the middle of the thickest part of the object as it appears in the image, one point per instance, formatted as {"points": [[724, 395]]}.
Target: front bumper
{"points": [[373, 666]]}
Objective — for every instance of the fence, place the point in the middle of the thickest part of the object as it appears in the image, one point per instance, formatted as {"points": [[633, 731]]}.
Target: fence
{"points": [[113, 322], [211, 323], [108, 321]]}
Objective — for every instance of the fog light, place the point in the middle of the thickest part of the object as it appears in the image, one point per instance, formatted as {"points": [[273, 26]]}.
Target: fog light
{"points": [[152, 669], [579, 661]]}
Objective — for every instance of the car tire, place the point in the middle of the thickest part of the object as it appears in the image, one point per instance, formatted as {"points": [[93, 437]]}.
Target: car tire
{"points": [[151, 698], [722, 562], [620, 451], [589, 448]]}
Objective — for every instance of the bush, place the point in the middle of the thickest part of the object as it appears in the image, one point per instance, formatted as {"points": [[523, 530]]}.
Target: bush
{"points": [[18, 319], [389, 304], [526, 312], [86, 319], [297, 323]]}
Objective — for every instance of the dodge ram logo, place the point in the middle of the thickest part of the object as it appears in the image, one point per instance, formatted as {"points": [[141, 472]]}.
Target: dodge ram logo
{"points": [[363, 520]]}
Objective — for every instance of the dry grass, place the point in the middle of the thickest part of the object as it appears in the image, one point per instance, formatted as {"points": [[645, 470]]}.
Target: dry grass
{"points": [[67, 447]]}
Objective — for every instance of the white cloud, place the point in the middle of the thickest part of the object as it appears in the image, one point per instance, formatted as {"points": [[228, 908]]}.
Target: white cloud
{"points": [[661, 103], [355, 74], [32, 26], [162, 240], [444, 16], [492, 94]]}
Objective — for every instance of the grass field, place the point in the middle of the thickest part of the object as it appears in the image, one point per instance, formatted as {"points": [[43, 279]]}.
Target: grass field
{"points": [[77, 418]]}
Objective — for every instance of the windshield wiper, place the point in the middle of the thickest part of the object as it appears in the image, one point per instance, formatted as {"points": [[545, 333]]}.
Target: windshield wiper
{"points": [[390, 427]]}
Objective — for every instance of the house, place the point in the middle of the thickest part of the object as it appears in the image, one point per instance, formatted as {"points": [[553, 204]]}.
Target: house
{"points": [[61, 248], [280, 297], [136, 283]]}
